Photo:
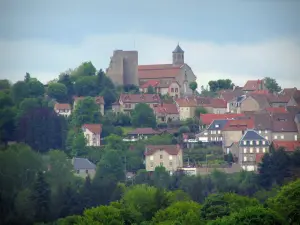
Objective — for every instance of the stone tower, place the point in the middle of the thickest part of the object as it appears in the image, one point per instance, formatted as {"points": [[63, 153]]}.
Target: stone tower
{"points": [[123, 67], [178, 56]]}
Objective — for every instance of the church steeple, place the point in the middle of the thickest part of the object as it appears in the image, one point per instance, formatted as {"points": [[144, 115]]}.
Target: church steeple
{"points": [[178, 56]]}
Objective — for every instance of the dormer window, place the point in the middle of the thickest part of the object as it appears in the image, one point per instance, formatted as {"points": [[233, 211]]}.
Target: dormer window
{"points": [[245, 142], [217, 125]]}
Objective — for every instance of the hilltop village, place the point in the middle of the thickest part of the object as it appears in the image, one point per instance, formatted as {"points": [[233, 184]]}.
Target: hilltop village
{"points": [[147, 144]]}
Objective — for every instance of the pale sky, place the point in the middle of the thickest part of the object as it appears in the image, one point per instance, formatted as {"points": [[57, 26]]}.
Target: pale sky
{"points": [[239, 40]]}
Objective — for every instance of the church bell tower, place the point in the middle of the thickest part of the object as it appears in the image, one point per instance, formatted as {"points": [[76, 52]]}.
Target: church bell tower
{"points": [[178, 56]]}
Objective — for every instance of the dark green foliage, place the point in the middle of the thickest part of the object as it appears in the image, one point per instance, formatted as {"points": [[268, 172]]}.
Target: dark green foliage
{"points": [[143, 116], [42, 129], [58, 91], [272, 85], [215, 206], [19, 91], [41, 198], [150, 90], [220, 84]]}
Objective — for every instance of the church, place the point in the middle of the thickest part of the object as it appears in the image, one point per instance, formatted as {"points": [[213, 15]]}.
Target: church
{"points": [[124, 70]]}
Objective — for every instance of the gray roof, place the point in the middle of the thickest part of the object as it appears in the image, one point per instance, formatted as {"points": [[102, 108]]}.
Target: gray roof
{"points": [[178, 49], [83, 164], [252, 135], [217, 125]]}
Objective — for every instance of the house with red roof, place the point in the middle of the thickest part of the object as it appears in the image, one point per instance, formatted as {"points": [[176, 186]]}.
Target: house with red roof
{"points": [[99, 100], [127, 102], [168, 156], [166, 112], [63, 109], [207, 119], [253, 85], [92, 134], [163, 87], [289, 146]]}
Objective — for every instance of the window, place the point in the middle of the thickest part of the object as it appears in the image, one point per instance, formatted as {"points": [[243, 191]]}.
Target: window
{"points": [[219, 132], [257, 142], [251, 142], [282, 136], [161, 156], [251, 150], [275, 137], [151, 157], [266, 137], [205, 133], [266, 131], [259, 131], [161, 164], [264, 150], [87, 171], [170, 163], [296, 137], [172, 89], [176, 89], [264, 142], [170, 157], [257, 150], [245, 150], [245, 142], [245, 158], [218, 111], [217, 125]]}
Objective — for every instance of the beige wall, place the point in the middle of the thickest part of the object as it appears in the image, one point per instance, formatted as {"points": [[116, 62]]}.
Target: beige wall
{"points": [[231, 136], [247, 156], [285, 136], [89, 136], [155, 160], [65, 112], [249, 104], [174, 85], [85, 173], [219, 110], [186, 112]]}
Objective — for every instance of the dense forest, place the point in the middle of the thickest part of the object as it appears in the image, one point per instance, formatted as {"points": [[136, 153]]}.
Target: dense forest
{"points": [[38, 184]]}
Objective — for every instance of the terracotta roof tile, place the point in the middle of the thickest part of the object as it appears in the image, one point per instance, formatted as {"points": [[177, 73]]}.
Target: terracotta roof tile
{"points": [[276, 110], [140, 98], [186, 102], [166, 109], [279, 98], [170, 149], [158, 71], [238, 124], [61, 106], [207, 119], [287, 145], [252, 85], [152, 83], [284, 126], [217, 103], [262, 100], [94, 128]]}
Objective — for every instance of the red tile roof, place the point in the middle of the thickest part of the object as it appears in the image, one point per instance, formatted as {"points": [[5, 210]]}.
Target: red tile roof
{"points": [[186, 102], [261, 92], [239, 124], [288, 145], [94, 128], [153, 83], [276, 110], [144, 131], [98, 99], [62, 106], [279, 98], [140, 98], [158, 71], [170, 149], [166, 109], [217, 103], [207, 119], [252, 85], [284, 126]]}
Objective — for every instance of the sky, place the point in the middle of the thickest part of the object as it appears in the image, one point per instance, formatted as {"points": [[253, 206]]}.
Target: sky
{"points": [[237, 40]]}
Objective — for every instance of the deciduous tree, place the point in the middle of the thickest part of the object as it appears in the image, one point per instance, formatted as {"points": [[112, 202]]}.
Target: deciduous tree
{"points": [[272, 85], [143, 116], [58, 91]]}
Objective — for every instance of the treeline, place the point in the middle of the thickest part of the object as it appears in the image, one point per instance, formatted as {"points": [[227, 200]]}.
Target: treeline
{"points": [[43, 188]]}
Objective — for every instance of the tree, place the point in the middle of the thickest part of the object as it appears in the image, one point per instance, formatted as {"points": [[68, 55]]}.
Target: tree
{"points": [[286, 202], [58, 91], [109, 97], [41, 198], [186, 212], [193, 86], [85, 69], [251, 216], [161, 178], [86, 111], [28, 104], [78, 144], [36, 88], [19, 91], [27, 77], [200, 110], [86, 86], [150, 90], [143, 116], [5, 85], [220, 84], [42, 129], [272, 85], [66, 80]]}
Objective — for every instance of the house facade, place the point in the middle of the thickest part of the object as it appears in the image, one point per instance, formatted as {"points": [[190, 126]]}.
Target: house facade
{"points": [[254, 103], [213, 133], [166, 113], [92, 134], [251, 147], [186, 107], [163, 87], [63, 109], [83, 167], [168, 156]]}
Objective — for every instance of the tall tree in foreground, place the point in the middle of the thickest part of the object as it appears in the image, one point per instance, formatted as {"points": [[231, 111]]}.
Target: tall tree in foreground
{"points": [[41, 198], [272, 85], [143, 116]]}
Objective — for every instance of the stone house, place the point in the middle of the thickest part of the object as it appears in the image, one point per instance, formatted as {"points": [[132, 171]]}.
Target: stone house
{"points": [[285, 130], [216, 106], [163, 87], [234, 130], [279, 100], [255, 102], [234, 105], [186, 107], [177, 70], [213, 133], [166, 112], [251, 147], [63, 109], [168, 156], [92, 134], [99, 100], [128, 102], [83, 167]]}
